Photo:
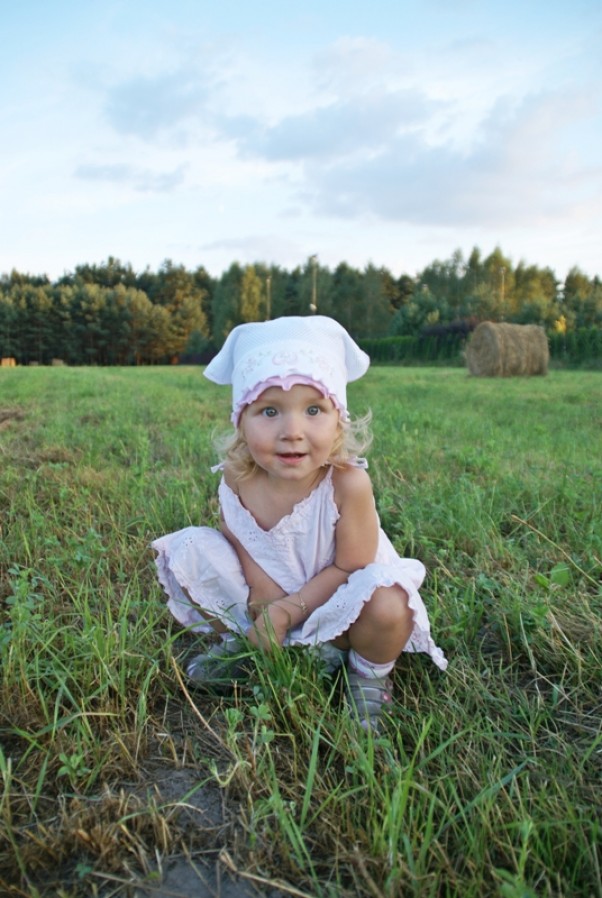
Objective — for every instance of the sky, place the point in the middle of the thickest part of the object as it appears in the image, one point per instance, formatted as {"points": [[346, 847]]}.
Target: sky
{"points": [[389, 132]]}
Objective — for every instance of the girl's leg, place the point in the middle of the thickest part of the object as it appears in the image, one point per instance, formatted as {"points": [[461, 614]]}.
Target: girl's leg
{"points": [[375, 640], [383, 628]]}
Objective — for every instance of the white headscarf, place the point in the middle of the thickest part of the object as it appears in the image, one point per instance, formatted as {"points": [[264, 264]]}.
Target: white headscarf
{"points": [[313, 350]]}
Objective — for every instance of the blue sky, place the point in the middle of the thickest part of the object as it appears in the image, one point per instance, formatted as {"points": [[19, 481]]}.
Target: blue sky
{"points": [[391, 132]]}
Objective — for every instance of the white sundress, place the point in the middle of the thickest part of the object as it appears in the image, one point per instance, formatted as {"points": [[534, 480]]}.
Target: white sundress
{"points": [[203, 562]]}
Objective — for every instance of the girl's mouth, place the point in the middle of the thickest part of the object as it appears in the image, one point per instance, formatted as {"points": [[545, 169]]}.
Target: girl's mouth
{"points": [[291, 458]]}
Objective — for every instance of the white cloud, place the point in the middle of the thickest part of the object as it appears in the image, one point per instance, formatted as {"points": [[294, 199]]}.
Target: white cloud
{"points": [[388, 155], [355, 63], [511, 177], [140, 179], [147, 106], [363, 123]]}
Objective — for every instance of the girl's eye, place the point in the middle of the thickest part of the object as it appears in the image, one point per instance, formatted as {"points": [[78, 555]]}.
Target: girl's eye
{"points": [[269, 412], [313, 410]]}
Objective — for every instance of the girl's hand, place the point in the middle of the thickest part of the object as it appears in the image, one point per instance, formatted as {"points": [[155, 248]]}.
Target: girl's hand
{"points": [[271, 623]]}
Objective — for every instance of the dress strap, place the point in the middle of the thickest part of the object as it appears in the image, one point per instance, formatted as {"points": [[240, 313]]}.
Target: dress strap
{"points": [[215, 468]]}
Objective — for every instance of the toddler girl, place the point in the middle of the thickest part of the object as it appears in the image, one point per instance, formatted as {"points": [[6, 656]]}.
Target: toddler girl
{"points": [[300, 558]]}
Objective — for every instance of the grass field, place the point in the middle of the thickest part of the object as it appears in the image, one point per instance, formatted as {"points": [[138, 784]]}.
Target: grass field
{"points": [[487, 782]]}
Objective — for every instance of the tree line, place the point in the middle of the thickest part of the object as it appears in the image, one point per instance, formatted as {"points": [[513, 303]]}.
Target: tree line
{"points": [[108, 314]]}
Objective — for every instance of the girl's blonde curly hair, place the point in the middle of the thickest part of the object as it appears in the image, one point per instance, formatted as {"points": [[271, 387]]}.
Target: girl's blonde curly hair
{"points": [[353, 438]]}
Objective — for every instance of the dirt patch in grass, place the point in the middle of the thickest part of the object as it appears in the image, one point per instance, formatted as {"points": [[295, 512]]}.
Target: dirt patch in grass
{"points": [[9, 415], [205, 871], [171, 833]]}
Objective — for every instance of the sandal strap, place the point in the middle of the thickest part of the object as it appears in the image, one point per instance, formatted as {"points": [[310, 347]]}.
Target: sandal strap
{"points": [[223, 662], [368, 695]]}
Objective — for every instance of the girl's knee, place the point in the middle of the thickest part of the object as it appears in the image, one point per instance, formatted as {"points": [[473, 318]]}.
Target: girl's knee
{"points": [[386, 620], [388, 607]]}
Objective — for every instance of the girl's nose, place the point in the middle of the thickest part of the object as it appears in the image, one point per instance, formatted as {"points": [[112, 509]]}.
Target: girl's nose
{"points": [[291, 427]]}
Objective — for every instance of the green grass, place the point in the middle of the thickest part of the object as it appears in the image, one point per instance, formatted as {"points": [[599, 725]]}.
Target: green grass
{"points": [[488, 779]]}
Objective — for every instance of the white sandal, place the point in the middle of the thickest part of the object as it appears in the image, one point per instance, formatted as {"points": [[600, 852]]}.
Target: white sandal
{"points": [[368, 697], [220, 666]]}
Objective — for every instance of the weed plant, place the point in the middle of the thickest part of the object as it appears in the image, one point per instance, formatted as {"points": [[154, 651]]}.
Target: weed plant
{"points": [[486, 779]]}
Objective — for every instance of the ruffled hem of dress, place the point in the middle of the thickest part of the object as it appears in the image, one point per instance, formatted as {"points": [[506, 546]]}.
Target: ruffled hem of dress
{"points": [[180, 607], [174, 579], [326, 623]]}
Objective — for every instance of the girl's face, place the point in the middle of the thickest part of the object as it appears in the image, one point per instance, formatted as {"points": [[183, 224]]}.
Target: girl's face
{"points": [[290, 433]]}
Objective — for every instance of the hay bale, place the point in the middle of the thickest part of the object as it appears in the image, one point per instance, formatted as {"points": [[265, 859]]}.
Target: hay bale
{"points": [[507, 350], [8, 363], [56, 362]]}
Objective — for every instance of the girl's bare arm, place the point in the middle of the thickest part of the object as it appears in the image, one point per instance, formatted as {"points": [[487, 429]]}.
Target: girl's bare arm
{"points": [[358, 527]]}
